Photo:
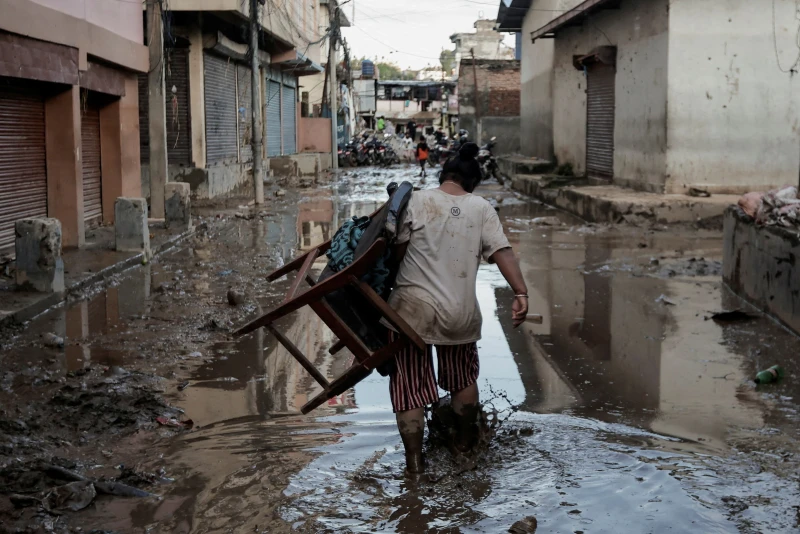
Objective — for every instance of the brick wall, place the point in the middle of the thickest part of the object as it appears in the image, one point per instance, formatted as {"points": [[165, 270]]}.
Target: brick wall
{"points": [[498, 87]]}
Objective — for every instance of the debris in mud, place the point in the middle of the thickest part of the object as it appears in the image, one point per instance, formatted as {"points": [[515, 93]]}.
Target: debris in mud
{"points": [[74, 496], [697, 192], [235, 297], [524, 526], [547, 221], [666, 300], [173, 422], [51, 340], [280, 193], [733, 316]]}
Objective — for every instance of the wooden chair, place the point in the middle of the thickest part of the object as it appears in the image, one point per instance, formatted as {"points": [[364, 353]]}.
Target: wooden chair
{"points": [[347, 285]]}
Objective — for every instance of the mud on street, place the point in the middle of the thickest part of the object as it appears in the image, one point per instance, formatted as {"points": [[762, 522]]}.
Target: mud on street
{"points": [[628, 410]]}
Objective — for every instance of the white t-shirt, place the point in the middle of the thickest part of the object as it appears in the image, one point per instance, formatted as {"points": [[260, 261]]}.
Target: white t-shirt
{"points": [[435, 288]]}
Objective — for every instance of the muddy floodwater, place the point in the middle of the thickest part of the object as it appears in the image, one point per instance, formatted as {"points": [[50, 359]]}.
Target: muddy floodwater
{"points": [[644, 415]]}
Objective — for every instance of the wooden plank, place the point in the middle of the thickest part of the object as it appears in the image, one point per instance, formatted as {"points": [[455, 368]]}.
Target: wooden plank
{"points": [[340, 329], [301, 275], [300, 357], [339, 345], [387, 312], [337, 281]]}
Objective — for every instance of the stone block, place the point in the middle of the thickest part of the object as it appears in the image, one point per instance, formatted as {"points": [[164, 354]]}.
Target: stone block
{"points": [[177, 204], [38, 248], [131, 231]]}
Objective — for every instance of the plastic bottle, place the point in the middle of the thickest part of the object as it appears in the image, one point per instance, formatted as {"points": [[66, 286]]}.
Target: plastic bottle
{"points": [[773, 374]]}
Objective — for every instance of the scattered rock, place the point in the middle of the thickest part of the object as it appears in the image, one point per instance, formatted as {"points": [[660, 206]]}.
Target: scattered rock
{"points": [[665, 300], [53, 341], [235, 297], [524, 526], [280, 193]]}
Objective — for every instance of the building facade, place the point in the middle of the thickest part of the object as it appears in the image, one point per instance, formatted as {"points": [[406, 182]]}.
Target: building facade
{"points": [[208, 91], [490, 86], [483, 43], [69, 130], [424, 102], [659, 95]]}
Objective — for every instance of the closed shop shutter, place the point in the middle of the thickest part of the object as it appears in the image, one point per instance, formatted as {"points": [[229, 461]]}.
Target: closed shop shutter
{"points": [[289, 120], [90, 162], [273, 118], [220, 99], [144, 120], [23, 168], [179, 139], [245, 118], [600, 107]]}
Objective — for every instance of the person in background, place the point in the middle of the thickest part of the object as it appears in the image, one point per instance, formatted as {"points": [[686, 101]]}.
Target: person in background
{"points": [[421, 154], [439, 135], [381, 125], [444, 234], [411, 128]]}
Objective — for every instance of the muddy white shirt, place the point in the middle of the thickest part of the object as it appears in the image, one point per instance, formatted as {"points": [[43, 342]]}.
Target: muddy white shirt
{"points": [[435, 289]]}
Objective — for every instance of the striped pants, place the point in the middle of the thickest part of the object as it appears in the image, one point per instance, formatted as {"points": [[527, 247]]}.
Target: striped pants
{"points": [[412, 384]]}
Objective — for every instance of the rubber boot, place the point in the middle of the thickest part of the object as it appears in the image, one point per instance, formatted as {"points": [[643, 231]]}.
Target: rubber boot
{"points": [[467, 428]]}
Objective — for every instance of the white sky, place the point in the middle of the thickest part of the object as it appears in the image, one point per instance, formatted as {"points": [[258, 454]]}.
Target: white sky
{"points": [[411, 33]]}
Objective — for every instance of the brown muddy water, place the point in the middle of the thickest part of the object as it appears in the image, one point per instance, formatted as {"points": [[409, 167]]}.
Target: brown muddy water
{"points": [[644, 417]]}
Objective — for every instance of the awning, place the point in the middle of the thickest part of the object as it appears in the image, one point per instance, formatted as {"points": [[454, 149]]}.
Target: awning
{"points": [[299, 66], [573, 17], [601, 54], [511, 14]]}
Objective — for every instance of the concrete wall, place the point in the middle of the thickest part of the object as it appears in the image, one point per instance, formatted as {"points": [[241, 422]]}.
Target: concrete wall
{"points": [[313, 135], [760, 265], [734, 112], [536, 79], [639, 30], [216, 180], [122, 18], [498, 98]]}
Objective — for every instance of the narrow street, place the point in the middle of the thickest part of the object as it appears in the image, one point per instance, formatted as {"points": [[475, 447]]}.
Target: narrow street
{"points": [[644, 417]]}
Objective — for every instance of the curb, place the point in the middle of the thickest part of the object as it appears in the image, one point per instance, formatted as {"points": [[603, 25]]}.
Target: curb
{"points": [[50, 301]]}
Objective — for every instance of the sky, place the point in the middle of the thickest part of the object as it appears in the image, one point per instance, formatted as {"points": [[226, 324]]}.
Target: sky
{"points": [[411, 33]]}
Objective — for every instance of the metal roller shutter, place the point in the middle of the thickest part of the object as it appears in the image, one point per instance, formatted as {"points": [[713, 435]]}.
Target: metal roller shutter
{"points": [[179, 139], [90, 161], [144, 120], [600, 107], [23, 168], [289, 126], [245, 122], [273, 118], [220, 99]]}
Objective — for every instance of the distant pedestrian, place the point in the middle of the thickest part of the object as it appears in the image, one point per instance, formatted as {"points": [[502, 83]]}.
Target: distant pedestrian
{"points": [[422, 154], [381, 124]]}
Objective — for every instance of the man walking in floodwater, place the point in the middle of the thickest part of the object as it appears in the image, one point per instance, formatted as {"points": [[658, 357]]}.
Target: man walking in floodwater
{"points": [[445, 233]]}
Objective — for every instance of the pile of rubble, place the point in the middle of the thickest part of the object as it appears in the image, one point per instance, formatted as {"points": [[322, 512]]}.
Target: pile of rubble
{"points": [[779, 207]]}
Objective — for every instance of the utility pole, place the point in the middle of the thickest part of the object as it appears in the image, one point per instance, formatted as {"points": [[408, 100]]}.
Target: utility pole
{"points": [[333, 93], [157, 125], [255, 93], [477, 100]]}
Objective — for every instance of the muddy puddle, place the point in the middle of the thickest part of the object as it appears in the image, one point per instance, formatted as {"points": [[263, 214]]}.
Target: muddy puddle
{"points": [[643, 415]]}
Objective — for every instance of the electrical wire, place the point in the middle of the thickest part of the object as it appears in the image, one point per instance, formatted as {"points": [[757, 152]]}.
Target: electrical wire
{"points": [[793, 68]]}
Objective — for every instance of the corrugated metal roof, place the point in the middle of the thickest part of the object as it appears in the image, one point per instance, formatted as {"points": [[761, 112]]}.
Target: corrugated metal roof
{"points": [[574, 16]]}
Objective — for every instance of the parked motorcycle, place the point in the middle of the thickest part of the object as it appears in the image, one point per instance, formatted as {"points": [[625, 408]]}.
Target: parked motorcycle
{"points": [[487, 160]]}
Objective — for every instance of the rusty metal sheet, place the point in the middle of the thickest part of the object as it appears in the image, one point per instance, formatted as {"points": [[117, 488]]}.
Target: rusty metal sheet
{"points": [[23, 167], [600, 107]]}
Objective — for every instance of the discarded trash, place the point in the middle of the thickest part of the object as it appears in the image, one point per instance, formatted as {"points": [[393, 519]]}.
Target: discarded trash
{"points": [[280, 193], [226, 272], [524, 526], [547, 221], [665, 300], [171, 421], [732, 316], [235, 298], [73, 496], [773, 374], [53, 341], [697, 192], [183, 385]]}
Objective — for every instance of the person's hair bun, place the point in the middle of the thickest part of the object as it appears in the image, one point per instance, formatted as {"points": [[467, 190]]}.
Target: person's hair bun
{"points": [[468, 151]]}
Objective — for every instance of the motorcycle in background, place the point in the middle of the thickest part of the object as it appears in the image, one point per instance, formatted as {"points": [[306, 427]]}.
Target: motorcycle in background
{"points": [[487, 160]]}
